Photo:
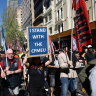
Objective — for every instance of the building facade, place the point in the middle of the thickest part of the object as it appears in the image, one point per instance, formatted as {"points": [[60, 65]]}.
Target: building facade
{"points": [[57, 15], [49, 14], [26, 14], [38, 12], [12, 3], [57, 19], [19, 17], [61, 24]]}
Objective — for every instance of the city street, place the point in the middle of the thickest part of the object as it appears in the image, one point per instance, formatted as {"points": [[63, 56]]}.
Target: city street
{"points": [[52, 43]]}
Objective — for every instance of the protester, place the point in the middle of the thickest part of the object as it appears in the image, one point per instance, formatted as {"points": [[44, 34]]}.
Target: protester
{"points": [[1, 87], [36, 75], [92, 78], [67, 76], [84, 51], [2, 55], [67, 51], [85, 72], [53, 68], [90, 55], [12, 69], [79, 64]]}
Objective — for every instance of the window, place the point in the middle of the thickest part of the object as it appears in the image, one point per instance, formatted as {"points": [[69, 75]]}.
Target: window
{"points": [[58, 15], [62, 27], [61, 13], [50, 30], [58, 28], [50, 16], [46, 20], [48, 3]]}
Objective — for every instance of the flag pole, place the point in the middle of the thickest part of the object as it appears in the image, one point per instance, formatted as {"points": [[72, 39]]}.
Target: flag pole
{"points": [[72, 23], [59, 40], [4, 45]]}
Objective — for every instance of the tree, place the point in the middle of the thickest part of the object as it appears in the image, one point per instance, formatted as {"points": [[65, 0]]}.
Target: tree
{"points": [[13, 34]]}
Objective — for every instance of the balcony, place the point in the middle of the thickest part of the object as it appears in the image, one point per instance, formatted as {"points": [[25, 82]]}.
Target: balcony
{"points": [[38, 20], [59, 21], [47, 11], [59, 2]]}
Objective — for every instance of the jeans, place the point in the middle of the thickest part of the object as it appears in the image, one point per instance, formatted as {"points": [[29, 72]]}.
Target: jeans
{"points": [[68, 83]]}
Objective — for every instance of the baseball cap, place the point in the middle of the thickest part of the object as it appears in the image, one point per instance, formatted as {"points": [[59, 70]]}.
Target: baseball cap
{"points": [[89, 46]]}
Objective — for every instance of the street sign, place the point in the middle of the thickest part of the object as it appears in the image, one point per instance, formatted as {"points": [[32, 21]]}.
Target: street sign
{"points": [[37, 41]]}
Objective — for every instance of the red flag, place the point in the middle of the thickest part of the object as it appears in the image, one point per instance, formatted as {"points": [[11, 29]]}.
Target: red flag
{"points": [[74, 44], [83, 32], [52, 47]]}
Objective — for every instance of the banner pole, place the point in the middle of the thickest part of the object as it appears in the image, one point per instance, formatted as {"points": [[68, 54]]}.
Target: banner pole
{"points": [[4, 45], [72, 23]]}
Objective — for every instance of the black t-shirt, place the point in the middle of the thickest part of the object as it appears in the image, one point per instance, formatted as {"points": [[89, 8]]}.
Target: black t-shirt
{"points": [[36, 76], [29, 60], [43, 59], [53, 70]]}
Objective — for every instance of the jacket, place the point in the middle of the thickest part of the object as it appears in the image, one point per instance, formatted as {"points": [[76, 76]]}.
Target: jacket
{"points": [[13, 80], [63, 62]]}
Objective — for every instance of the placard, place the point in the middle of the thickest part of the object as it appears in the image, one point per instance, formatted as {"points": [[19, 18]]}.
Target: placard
{"points": [[37, 41]]}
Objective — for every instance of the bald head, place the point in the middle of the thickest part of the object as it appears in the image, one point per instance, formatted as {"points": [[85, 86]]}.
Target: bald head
{"points": [[9, 53]]}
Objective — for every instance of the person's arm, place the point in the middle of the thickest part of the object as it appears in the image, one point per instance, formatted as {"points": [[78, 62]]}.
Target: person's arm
{"points": [[8, 72], [25, 60], [85, 58], [24, 72], [49, 61], [2, 73], [53, 66]]}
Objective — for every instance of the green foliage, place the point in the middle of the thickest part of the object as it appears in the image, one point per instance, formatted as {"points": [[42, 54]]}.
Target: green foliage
{"points": [[10, 24]]}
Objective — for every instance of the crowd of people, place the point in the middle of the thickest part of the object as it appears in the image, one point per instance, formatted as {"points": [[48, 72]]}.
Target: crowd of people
{"points": [[57, 74]]}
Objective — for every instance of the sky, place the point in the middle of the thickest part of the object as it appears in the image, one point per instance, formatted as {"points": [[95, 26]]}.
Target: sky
{"points": [[2, 8], [3, 4], [19, 1]]}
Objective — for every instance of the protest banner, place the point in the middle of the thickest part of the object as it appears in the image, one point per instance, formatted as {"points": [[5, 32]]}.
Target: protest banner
{"points": [[37, 41]]}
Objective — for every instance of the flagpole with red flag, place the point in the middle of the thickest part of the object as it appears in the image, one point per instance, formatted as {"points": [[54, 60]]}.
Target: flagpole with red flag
{"points": [[81, 20], [72, 23], [52, 47]]}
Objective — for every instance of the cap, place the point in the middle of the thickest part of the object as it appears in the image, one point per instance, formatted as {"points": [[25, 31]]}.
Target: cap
{"points": [[89, 46]]}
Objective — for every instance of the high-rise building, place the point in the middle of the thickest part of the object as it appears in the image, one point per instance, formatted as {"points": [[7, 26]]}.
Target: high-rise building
{"points": [[12, 3], [26, 14], [19, 17], [38, 12]]}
